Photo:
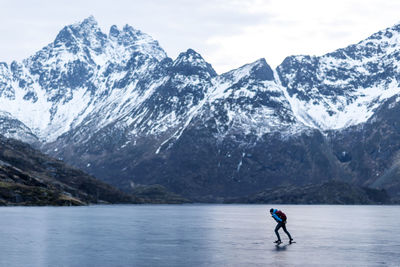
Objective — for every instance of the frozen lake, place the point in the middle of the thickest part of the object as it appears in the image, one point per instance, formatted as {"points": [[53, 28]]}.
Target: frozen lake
{"points": [[198, 235]]}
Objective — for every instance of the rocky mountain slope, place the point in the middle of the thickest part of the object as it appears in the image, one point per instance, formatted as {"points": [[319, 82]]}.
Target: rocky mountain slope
{"points": [[116, 106], [332, 192], [28, 177], [345, 87]]}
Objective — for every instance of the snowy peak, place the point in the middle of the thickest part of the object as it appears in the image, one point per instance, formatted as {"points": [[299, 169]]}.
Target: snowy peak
{"points": [[55, 89], [381, 44], [86, 75], [86, 27], [191, 57], [87, 32], [136, 41], [248, 100], [345, 87], [258, 70], [388, 35], [118, 105], [85, 41], [192, 63], [88, 22]]}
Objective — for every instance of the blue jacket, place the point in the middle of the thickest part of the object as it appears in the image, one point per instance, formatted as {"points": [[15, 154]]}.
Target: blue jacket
{"points": [[276, 217]]}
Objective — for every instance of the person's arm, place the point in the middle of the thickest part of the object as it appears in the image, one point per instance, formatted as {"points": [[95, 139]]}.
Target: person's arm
{"points": [[276, 217]]}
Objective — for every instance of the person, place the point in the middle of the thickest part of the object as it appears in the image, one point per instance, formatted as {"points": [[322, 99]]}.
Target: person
{"points": [[280, 218]]}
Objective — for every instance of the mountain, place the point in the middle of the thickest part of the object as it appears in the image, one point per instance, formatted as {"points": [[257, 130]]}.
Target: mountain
{"points": [[345, 87], [332, 192], [116, 106], [53, 91], [371, 150], [14, 128], [28, 177]]}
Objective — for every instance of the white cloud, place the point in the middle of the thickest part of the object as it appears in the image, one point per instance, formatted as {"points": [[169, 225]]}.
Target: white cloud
{"points": [[228, 33], [302, 27]]}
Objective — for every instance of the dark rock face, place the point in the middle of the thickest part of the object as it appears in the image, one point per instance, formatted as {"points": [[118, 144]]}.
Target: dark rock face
{"points": [[157, 194], [192, 63], [237, 166], [333, 192], [27, 177], [374, 148]]}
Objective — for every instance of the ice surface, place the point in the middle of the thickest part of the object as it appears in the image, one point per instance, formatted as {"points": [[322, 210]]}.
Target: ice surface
{"points": [[199, 235]]}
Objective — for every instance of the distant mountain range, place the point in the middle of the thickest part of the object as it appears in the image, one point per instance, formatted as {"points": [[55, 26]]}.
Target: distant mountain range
{"points": [[116, 106]]}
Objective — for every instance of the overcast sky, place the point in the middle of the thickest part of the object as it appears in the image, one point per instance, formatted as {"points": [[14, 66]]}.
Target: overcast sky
{"points": [[228, 33]]}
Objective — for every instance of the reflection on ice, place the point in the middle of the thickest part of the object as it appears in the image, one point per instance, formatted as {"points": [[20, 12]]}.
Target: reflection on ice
{"points": [[198, 235]]}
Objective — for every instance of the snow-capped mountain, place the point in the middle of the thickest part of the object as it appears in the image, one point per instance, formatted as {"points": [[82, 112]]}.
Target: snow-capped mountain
{"points": [[117, 106], [54, 90], [345, 87], [87, 77], [13, 128]]}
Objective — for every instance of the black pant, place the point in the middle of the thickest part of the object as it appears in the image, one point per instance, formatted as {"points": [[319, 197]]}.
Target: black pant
{"points": [[278, 226]]}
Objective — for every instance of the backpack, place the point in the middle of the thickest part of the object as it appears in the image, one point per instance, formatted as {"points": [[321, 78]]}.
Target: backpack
{"points": [[281, 215]]}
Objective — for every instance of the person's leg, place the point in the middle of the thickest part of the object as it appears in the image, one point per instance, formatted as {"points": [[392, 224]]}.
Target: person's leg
{"points": [[284, 229], [278, 226]]}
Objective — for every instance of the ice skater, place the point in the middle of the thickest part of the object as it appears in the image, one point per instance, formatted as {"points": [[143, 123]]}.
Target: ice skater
{"points": [[280, 218]]}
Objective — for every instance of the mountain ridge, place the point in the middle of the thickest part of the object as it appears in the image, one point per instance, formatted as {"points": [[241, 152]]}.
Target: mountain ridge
{"points": [[118, 107]]}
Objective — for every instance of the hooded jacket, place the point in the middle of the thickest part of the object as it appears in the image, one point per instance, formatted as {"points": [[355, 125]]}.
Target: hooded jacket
{"points": [[276, 217]]}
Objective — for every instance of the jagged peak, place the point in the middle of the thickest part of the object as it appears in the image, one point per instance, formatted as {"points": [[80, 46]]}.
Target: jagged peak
{"points": [[189, 56], [191, 52], [379, 43], [261, 62], [88, 22], [87, 27], [191, 62], [386, 33], [15, 65], [136, 40], [304, 59], [258, 69], [129, 29], [376, 44], [87, 30], [114, 31], [128, 34]]}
